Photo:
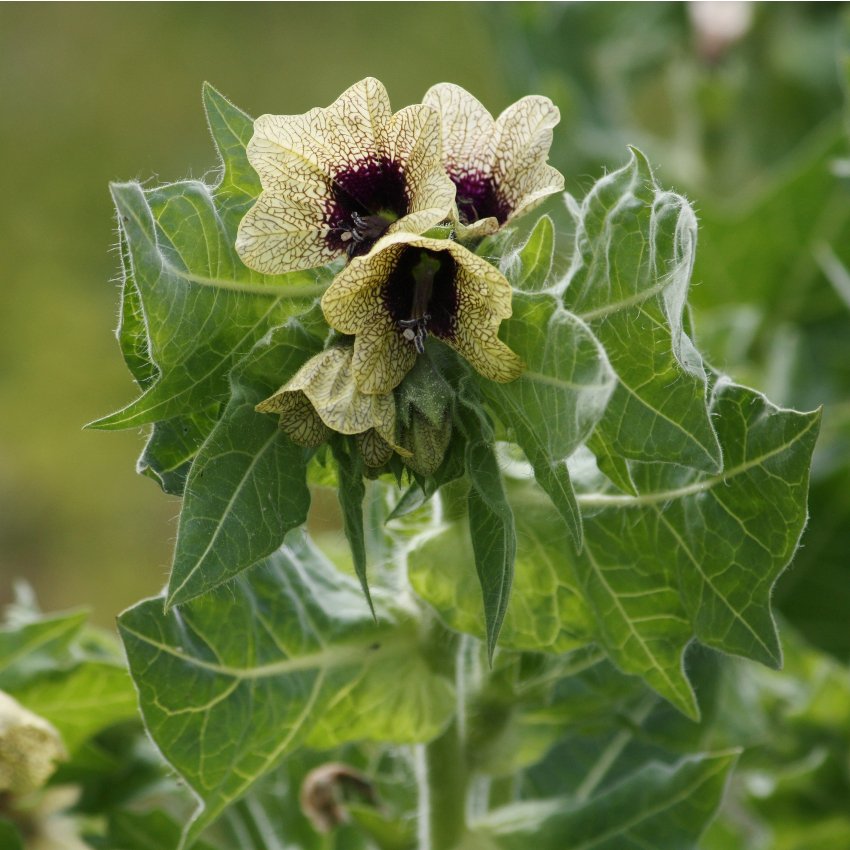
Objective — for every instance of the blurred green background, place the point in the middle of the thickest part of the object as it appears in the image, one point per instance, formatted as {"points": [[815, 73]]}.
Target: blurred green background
{"points": [[742, 110]]}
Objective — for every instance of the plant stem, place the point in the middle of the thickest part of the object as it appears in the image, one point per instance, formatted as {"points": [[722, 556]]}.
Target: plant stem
{"points": [[442, 805]]}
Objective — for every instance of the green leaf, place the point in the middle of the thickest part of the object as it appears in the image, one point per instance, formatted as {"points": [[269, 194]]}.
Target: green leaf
{"points": [[132, 331], [172, 446], [491, 521], [247, 486], [546, 612], [172, 443], [203, 308], [696, 555], [560, 397], [534, 259], [30, 648], [81, 701], [351, 492], [662, 807], [794, 725], [300, 661], [238, 185], [613, 466], [145, 831], [634, 250]]}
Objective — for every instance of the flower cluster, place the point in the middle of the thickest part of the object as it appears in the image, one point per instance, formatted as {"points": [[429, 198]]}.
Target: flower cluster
{"points": [[356, 182]]}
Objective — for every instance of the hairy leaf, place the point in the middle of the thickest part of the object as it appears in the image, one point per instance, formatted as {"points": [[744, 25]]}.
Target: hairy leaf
{"points": [[204, 309], [238, 185], [529, 268], [190, 308], [631, 267], [173, 445], [559, 398], [247, 486], [694, 555], [491, 521], [132, 329], [546, 612], [299, 661], [351, 492]]}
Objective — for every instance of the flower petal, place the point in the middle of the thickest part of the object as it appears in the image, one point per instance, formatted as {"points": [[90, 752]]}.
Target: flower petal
{"points": [[375, 450], [382, 356], [484, 300], [481, 346], [30, 747], [328, 382], [341, 302], [282, 233], [414, 141], [321, 141], [477, 229], [298, 417], [520, 147], [466, 127], [479, 283], [318, 172], [353, 304]]}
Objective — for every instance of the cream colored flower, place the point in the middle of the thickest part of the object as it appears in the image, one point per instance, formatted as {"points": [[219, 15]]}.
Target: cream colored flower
{"points": [[409, 287], [30, 747], [336, 179], [322, 397], [499, 167]]}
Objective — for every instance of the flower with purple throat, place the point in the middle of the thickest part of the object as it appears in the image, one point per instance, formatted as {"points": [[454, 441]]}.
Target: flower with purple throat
{"points": [[335, 180], [499, 166], [408, 288]]}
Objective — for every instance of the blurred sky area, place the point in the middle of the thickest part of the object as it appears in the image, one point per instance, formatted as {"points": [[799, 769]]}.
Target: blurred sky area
{"points": [[98, 92]]}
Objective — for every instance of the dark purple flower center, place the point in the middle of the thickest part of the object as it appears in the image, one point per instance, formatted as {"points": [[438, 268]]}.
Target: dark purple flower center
{"points": [[368, 196], [478, 197], [421, 295]]}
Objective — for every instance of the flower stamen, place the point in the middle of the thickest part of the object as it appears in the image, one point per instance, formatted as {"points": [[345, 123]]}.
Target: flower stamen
{"points": [[365, 229], [423, 273], [416, 331]]}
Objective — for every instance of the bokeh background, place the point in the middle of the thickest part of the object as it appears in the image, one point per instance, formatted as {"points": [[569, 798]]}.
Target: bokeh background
{"points": [[741, 107]]}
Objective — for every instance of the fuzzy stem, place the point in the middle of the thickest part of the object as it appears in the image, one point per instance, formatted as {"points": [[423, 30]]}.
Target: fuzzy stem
{"points": [[441, 765], [443, 807]]}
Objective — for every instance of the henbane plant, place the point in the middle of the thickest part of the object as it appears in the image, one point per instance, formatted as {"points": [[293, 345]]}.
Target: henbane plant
{"points": [[556, 511]]}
